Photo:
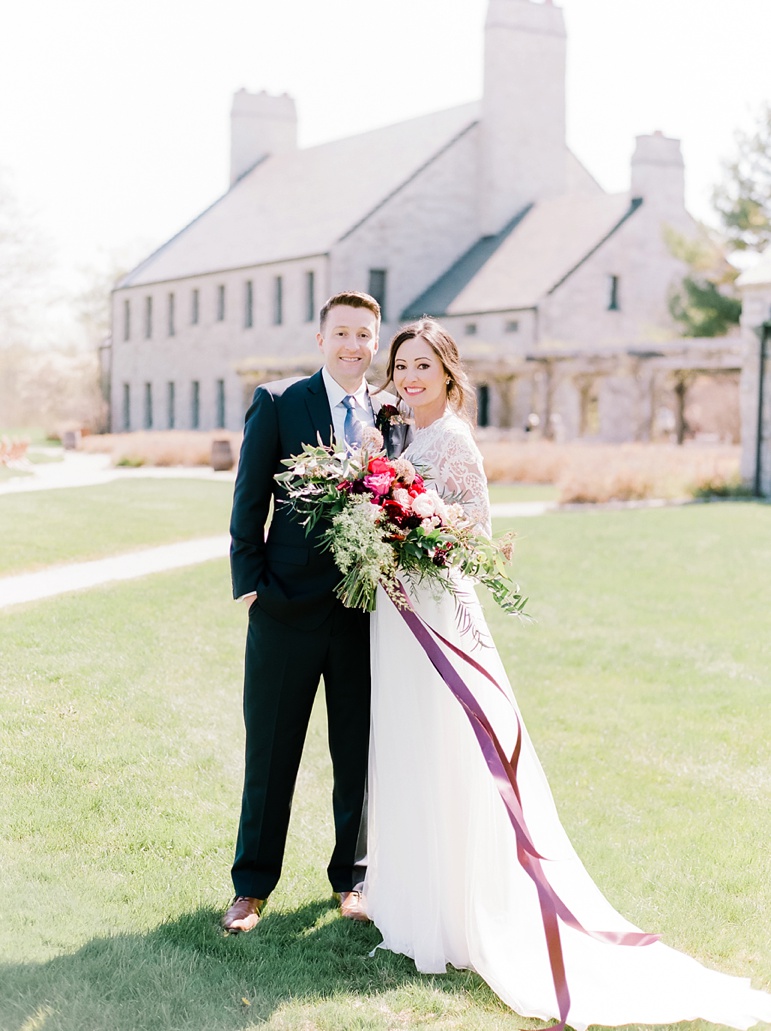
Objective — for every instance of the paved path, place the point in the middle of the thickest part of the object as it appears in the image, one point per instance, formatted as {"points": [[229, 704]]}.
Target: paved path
{"points": [[75, 576], [80, 470]]}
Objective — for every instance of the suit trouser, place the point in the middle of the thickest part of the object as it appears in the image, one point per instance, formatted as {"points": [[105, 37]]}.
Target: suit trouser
{"points": [[282, 671]]}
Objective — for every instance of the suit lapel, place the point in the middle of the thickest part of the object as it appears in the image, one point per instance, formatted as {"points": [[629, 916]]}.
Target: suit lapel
{"points": [[318, 409], [375, 399]]}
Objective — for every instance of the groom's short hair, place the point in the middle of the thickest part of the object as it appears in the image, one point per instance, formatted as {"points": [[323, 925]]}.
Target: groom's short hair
{"points": [[350, 299]]}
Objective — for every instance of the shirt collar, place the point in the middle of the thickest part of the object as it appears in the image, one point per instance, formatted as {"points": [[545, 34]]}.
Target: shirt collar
{"points": [[336, 393]]}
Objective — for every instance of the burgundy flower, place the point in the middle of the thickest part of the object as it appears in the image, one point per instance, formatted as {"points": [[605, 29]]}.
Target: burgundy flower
{"points": [[389, 415]]}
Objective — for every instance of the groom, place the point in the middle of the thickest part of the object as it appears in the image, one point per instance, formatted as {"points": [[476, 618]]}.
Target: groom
{"points": [[298, 631]]}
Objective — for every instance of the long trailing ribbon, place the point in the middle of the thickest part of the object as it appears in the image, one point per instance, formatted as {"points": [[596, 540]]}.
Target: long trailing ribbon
{"points": [[504, 772]]}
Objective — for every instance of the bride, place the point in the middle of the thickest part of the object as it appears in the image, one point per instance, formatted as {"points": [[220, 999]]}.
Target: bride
{"points": [[517, 908]]}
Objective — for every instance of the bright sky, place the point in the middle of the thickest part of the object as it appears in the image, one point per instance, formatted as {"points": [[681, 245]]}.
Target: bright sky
{"points": [[114, 117]]}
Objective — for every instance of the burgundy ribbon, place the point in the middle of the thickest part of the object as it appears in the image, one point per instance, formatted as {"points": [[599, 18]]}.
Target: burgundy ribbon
{"points": [[504, 772]]}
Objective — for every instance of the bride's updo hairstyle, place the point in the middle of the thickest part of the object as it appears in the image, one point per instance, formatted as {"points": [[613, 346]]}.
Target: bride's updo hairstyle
{"points": [[460, 393]]}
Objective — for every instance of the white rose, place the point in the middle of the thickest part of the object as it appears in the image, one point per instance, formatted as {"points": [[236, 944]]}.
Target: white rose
{"points": [[440, 508], [424, 505]]}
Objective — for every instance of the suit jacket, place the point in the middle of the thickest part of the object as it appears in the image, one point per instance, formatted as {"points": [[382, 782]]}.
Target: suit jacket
{"points": [[293, 577]]}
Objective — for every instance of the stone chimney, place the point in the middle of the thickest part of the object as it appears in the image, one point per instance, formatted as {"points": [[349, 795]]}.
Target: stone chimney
{"points": [[658, 171], [259, 125], [523, 154]]}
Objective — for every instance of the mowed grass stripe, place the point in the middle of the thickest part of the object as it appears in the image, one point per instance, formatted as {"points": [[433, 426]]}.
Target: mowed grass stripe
{"points": [[43, 528]]}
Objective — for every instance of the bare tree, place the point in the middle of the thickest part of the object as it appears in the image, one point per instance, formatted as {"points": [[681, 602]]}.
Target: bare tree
{"points": [[743, 197], [23, 264]]}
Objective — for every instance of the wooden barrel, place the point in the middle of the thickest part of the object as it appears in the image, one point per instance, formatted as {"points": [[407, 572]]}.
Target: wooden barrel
{"points": [[70, 439], [221, 455]]}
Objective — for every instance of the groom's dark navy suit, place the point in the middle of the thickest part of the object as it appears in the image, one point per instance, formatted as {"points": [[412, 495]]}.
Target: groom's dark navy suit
{"points": [[298, 632]]}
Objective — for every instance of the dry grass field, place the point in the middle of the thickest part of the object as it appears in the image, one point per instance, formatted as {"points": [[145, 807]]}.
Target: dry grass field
{"points": [[581, 472], [614, 472], [160, 447]]}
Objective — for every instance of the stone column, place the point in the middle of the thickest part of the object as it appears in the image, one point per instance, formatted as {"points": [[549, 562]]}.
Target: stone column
{"points": [[755, 286]]}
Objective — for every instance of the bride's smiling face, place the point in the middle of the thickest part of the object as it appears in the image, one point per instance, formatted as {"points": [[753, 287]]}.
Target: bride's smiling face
{"points": [[420, 379]]}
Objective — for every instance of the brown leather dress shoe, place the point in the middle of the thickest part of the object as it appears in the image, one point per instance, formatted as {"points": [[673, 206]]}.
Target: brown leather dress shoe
{"points": [[244, 914], [352, 905]]}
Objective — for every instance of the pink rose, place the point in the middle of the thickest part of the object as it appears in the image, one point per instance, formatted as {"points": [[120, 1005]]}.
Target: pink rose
{"points": [[378, 483]]}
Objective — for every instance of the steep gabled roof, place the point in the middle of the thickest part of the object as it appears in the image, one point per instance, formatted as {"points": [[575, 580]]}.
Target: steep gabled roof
{"points": [[440, 295], [536, 252], [300, 203]]}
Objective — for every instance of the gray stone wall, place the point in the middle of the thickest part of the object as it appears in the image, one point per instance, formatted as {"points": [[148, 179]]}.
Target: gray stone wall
{"points": [[416, 234], [211, 350]]}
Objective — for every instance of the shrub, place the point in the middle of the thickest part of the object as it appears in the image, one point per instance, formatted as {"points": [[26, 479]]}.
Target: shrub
{"points": [[12, 451]]}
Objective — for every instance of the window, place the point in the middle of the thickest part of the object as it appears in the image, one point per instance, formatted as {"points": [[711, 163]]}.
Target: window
{"points": [[613, 303], [148, 317], [148, 421], [221, 303], [471, 329], [170, 326], [220, 404], [126, 406], [377, 288], [171, 415], [278, 300], [248, 304], [512, 326], [483, 405], [195, 306], [126, 319], [195, 405], [310, 296]]}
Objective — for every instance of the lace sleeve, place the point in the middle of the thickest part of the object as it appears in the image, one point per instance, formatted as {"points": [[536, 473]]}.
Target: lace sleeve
{"points": [[456, 468]]}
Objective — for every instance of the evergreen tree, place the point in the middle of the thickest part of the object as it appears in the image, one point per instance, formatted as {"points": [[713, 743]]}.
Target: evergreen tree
{"points": [[704, 304]]}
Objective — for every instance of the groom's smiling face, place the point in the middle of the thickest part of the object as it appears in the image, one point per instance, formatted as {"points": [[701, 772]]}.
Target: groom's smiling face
{"points": [[348, 342]]}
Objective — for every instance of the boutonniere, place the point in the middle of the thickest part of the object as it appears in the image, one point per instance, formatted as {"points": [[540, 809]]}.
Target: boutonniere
{"points": [[388, 416]]}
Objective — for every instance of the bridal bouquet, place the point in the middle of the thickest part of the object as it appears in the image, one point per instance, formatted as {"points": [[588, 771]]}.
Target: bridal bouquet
{"points": [[383, 520]]}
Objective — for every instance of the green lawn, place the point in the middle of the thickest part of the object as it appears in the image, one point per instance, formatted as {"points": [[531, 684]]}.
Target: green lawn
{"points": [[645, 683], [34, 434], [503, 492], [10, 474], [40, 528], [45, 456]]}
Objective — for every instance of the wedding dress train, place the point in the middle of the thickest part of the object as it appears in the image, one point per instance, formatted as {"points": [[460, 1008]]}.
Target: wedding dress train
{"points": [[445, 882]]}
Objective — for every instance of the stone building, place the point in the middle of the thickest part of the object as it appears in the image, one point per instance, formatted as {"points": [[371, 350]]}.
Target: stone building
{"points": [[480, 215], [755, 285]]}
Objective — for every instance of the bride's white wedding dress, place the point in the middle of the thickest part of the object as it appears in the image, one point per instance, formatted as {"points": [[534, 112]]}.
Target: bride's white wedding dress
{"points": [[444, 883]]}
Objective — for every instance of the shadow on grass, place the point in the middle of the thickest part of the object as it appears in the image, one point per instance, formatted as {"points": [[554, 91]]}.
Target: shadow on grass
{"points": [[187, 974]]}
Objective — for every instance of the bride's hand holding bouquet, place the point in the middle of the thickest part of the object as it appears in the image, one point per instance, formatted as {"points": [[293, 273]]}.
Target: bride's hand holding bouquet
{"points": [[384, 521]]}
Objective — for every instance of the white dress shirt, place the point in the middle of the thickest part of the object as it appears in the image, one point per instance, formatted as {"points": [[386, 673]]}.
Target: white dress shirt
{"points": [[336, 393]]}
